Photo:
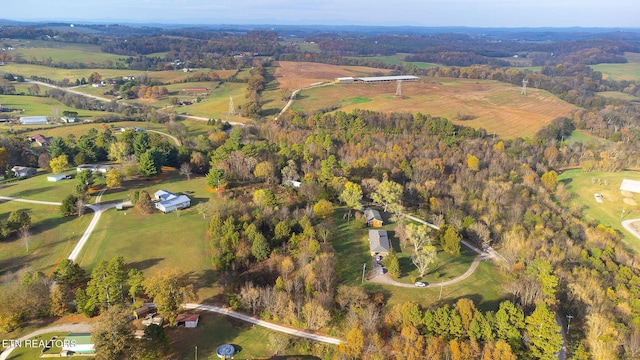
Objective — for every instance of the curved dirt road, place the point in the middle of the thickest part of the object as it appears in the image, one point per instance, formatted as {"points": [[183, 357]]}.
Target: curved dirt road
{"points": [[263, 323], [386, 279]]}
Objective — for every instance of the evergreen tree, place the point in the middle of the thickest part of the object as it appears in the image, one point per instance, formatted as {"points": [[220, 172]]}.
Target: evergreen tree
{"points": [[545, 339]]}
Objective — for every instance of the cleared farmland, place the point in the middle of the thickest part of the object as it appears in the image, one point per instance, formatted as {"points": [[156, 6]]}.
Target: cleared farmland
{"points": [[629, 71], [494, 106]]}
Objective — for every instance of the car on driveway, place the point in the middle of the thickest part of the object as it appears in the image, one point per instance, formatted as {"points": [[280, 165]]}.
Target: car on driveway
{"points": [[379, 258], [420, 284]]}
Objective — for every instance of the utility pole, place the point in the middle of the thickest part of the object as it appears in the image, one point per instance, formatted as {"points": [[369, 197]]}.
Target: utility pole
{"points": [[569, 317], [196, 352], [364, 267]]}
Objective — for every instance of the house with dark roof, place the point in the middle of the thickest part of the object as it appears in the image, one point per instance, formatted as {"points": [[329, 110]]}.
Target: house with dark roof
{"points": [[373, 217], [379, 243]]}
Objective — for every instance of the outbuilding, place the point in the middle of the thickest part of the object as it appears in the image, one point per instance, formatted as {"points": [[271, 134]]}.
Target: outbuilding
{"points": [[33, 120], [189, 320], [373, 217], [23, 171], [56, 177]]}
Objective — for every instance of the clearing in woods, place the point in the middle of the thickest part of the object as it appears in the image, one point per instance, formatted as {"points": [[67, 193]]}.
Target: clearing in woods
{"points": [[491, 105]]}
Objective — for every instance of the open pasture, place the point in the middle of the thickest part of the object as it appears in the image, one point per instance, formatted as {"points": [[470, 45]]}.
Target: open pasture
{"points": [[91, 55], [494, 106], [583, 186], [629, 71], [52, 238], [57, 74], [294, 75], [43, 106]]}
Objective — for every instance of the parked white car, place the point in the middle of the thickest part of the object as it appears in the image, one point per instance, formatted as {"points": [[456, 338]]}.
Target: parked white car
{"points": [[420, 284]]}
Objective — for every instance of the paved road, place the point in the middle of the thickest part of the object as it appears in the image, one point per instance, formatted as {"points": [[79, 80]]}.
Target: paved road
{"points": [[263, 323], [73, 328], [69, 90], [6, 198]]}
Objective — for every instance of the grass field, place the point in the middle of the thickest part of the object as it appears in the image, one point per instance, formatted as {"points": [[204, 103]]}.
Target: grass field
{"points": [[397, 59], [215, 330], [52, 238], [294, 75], [629, 71], [584, 138], [583, 187], [64, 52], [352, 249], [38, 188], [43, 106], [56, 74], [497, 107], [159, 241], [618, 95]]}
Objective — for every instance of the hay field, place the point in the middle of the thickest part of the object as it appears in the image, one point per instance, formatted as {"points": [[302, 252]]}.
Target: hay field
{"points": [[294, 75], [494, 106], [28, 70], [629, 71]]}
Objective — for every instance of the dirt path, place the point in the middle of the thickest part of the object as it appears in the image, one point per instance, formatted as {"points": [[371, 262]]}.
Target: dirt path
{"points": [[6, 198], [627, 225], [175, 139], [263, 323]]}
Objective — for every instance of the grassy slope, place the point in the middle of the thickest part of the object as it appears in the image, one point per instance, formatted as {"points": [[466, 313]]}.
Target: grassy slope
{"points": [[607, 213], [159, 241], [629, 71], [498, 107], [53, 237], [42, 106]]}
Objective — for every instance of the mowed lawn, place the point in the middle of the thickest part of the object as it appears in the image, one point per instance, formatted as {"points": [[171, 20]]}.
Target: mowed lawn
{"points": [[52, 238], [494, 106], [352, 248], [629, 71], [214, 330], [43, 106], [583, 186], [159, 241], [38, 188], [34, 352]]}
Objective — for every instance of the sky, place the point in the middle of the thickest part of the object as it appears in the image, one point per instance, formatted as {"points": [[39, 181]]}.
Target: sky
{"points": [[428, 13]]}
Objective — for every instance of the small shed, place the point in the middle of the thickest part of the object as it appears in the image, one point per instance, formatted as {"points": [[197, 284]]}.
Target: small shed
{"points": [[189, 320], [56, 177], [141, 312], [373, 217], [23, 171]]}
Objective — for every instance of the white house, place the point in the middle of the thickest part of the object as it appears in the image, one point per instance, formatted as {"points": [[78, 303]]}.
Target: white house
{"points": [[56, 177], [168, 201]]}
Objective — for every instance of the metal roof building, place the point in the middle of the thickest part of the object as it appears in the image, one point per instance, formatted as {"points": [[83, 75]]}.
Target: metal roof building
{"points": [[33, 120], [630, 186], [377, 79]]}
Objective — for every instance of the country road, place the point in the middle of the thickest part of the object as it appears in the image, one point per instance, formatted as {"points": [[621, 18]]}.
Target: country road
{"points": [[263, 323], [68, 90]]}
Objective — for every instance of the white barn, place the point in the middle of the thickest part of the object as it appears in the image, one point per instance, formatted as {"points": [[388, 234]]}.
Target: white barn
{"points": [[630, 186], [33, 120], [168, 201]]}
